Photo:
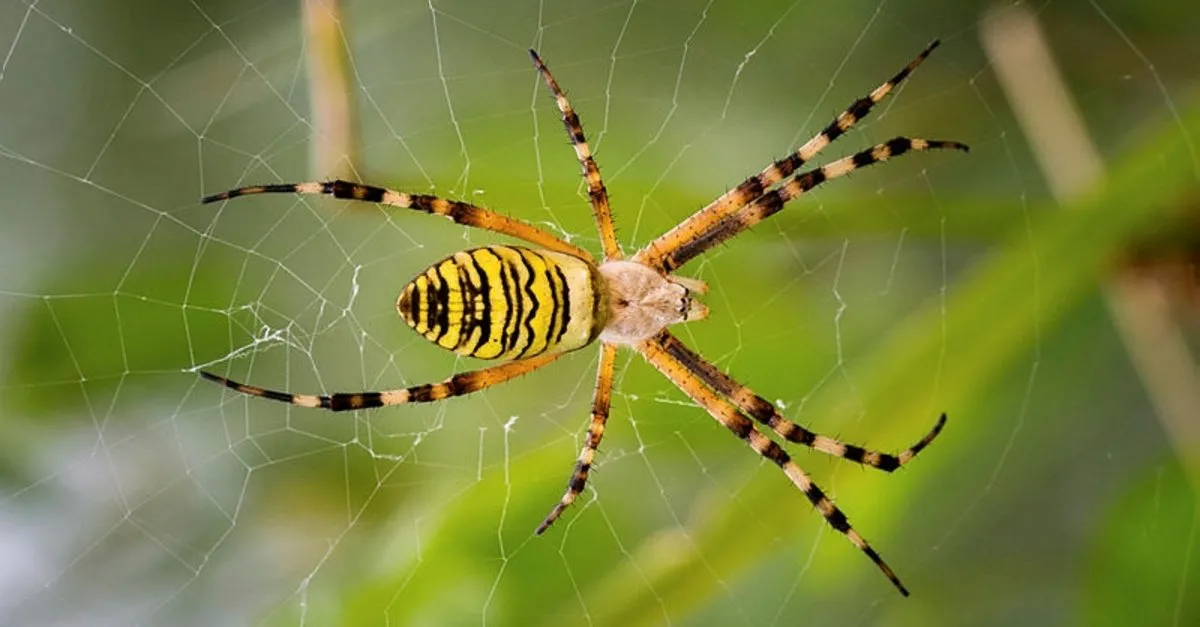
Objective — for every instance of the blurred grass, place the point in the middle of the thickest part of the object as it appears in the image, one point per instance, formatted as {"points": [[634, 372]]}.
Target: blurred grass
{"points": [[155, 499], [1150, 530]]}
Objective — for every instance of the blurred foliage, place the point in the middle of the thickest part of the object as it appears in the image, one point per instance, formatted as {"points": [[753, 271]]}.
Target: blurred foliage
{"points": [[135, 494], [1150, 532]]}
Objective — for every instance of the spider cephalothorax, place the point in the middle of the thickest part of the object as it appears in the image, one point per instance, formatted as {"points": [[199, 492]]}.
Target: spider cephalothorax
{"points": [[642, 302], [528, 306]]}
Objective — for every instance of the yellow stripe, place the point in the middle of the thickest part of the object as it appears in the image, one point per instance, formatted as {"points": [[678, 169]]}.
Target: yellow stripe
{"points": [[453, 304], [470, 344], [487, 260], [431, 310], [421, 320], [545, 298], [515, 335]]}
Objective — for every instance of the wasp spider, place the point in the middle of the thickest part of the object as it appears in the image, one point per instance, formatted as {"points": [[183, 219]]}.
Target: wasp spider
{"points": [[529, 306]]}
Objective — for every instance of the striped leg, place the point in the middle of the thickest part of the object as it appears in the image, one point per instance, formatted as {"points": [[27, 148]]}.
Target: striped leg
{"points": [[657, 253], [457, 385], [764, 412], [591, 172], [459, 212], [601, 400], [771, 202], [656, 352]]}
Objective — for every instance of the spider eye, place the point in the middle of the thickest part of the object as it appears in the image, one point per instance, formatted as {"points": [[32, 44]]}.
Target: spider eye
{"points": [[692, 309]]}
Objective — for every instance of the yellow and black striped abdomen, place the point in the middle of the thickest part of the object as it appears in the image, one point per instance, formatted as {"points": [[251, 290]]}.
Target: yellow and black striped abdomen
{"points": [[506, 302]]}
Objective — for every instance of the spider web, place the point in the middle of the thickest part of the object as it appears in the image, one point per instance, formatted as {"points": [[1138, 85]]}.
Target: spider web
{"points": [[134, 493]]}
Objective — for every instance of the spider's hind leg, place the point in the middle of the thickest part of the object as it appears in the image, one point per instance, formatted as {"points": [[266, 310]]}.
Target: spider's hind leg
{"points": [[764, 412], [458, 385], [661, 352]]}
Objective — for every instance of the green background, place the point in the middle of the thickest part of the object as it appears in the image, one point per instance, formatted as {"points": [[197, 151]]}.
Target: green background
{"points": [[133, 493]]}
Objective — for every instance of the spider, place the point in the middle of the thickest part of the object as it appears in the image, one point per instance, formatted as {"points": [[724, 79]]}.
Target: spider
{"points": [[530, 306]]}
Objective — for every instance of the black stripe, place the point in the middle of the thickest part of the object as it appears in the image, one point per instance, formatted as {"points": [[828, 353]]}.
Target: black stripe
{"points": [[455, 210], [460, 384], [776, 453], [457, 385], [353, 191], [527, 322], [512, 304], [430, 304], [598, 194], [739, 424], [864, 158], [760, 409], [836, 518], [551, 274], [899, 146], [833, 131], [422, 202], [465, 317], [509, 307], [888, 463], [807, 181], [346, 402], [565, 317], [741, 427], [860, 109], [421, 393], [514, 338], [720, 232], [854, 453], [277, 188], [459, 211], [485, 315], [271, 394], [814, 494], [579, 478], [750, 189], [787, 165], [693, 362], [443, 298]]}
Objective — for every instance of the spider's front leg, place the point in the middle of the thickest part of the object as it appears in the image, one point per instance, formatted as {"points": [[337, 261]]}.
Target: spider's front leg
{"points": [[663, 252], [459, 212], [597, 193]]}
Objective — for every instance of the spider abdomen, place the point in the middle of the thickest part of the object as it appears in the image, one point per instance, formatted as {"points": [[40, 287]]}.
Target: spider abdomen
{"points": [[506, 302]]}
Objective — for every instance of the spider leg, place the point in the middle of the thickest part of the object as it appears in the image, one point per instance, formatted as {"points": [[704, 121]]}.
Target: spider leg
{"points": [[764, 412], [601, 400], [657, 253], [771, 202], [459, 212], [457, 385], [597, 194], [657, 351]]}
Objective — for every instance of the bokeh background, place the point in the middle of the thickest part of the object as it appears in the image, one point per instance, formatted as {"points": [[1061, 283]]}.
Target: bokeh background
{"points": [[1055, 322]]}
